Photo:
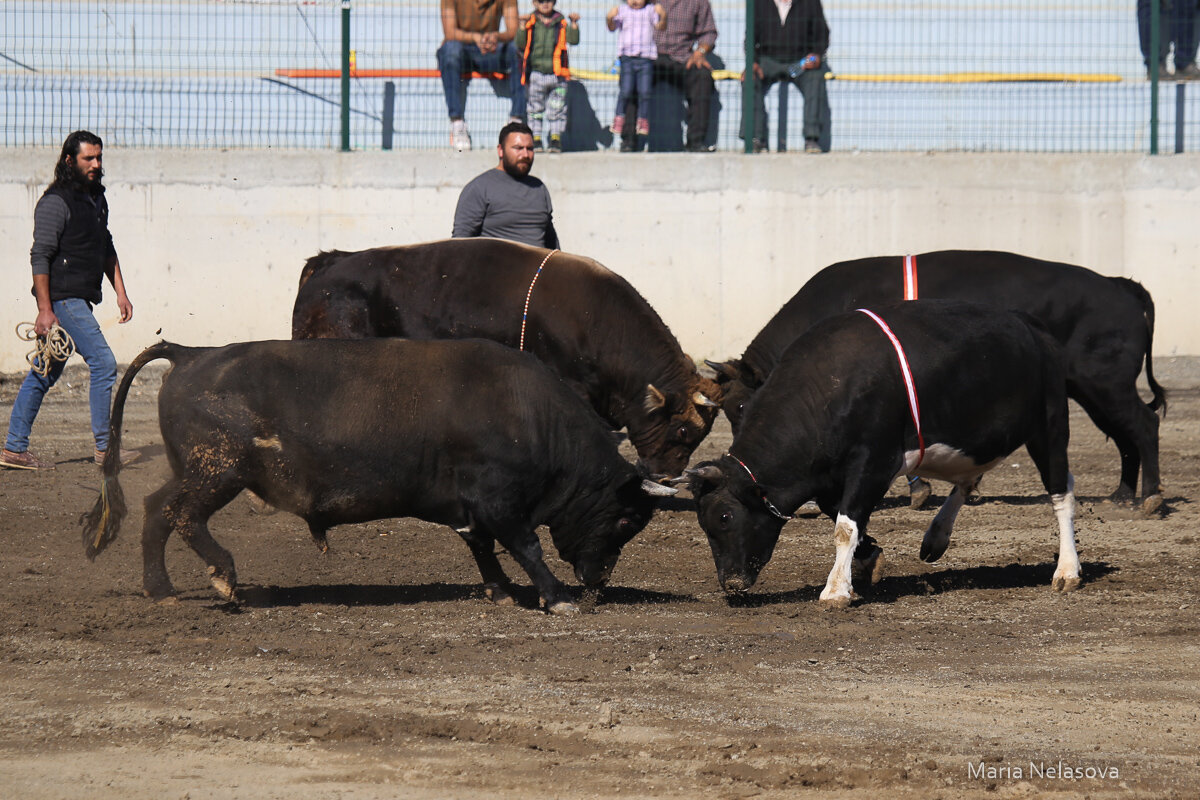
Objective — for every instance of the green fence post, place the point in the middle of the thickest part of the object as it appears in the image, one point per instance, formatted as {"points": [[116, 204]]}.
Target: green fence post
{"points": [[346, 76], [1152, 67], [749, 83]]}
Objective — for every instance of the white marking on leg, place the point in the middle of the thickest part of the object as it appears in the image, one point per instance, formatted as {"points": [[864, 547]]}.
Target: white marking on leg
{"points": [[839, 588], [1066, 574]]}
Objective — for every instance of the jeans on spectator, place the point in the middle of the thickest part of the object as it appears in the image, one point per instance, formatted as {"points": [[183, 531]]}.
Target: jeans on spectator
{"points": [[637, 79], [456, 58], [1177, 23], [698, 88], [810, 82], [75, 317]]}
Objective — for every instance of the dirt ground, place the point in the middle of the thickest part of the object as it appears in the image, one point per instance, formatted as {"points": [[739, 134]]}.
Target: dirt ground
{"points": [[380, 671]]}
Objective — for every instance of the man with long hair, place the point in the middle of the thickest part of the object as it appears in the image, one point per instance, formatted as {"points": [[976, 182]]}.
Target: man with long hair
{"points": [[72, 252]]}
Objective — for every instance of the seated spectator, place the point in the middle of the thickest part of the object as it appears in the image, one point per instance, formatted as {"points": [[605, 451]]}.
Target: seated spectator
{"points": [[790, 41], [683, 48], [542, 41], [475, 43], [1177, 26]]}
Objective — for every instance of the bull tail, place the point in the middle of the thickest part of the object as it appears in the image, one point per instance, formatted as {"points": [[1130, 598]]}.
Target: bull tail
{"points": [[102, 523], [1159, 404], [319, 262]]}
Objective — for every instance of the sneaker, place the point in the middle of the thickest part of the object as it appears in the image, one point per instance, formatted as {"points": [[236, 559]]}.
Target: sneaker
{"points": [[627, 147], [25, 460], [460, 140], [759, 146], [812, 146], [618, 126], [643, 127], [1163, 75], [537, 143], [555, 143], [1187, 73], [701, 147], [127, 456]]}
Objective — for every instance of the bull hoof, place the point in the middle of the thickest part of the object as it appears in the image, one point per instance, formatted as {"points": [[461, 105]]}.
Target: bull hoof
{"points": [[1066, 583], [160, 593], [563, 609], [868, 570], [170, 599], [225, 586], [1123, 496], [834, 601], [1152, 504], [919, 494], [497, 594]]}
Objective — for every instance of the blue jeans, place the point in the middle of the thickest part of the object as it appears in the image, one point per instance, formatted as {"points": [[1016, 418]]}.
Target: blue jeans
{"points": [[455, 58], [74, 317], [637, 78]]}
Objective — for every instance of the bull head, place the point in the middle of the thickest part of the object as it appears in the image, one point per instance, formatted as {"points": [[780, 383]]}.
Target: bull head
{"points": [[741, 533]]}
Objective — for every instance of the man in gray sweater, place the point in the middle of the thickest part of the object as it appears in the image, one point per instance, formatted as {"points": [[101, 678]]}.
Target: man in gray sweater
{"points": [[507, 202]]}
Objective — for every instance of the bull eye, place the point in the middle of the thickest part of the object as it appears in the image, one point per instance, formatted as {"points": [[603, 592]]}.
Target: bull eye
{"points": [[682, 432], [624, 525], [726, 518]]}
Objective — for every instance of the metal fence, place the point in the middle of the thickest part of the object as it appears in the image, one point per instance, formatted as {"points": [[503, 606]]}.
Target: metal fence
{"points": [[963, 75]]}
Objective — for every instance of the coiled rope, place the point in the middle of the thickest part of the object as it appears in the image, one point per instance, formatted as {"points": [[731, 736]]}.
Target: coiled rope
{"points": [[54, 346]]}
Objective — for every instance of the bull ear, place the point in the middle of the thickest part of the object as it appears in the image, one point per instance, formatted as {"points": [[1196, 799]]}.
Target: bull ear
{"points": [[654, 398], [703, 478], [657, 489]]}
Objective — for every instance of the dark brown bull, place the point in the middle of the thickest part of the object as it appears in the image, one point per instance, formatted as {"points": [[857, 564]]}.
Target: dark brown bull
{"points": [[584, 321]]}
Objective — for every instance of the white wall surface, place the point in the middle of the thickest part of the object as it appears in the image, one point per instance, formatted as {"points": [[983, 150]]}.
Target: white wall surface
{"points": [[212, 243]]}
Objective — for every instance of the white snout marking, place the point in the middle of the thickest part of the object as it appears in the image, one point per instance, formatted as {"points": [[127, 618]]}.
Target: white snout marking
{"points": [[272, 443], [839, 589]]}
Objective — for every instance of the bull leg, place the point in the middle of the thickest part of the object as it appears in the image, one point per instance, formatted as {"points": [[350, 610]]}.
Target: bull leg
{"points": [[496, 584], [937, 537], [1133, 428], [527, 551], [188, 513], [919, 491], [156, 583], [867, 566], [839, 588], [1067, 572], [1049, 454]]}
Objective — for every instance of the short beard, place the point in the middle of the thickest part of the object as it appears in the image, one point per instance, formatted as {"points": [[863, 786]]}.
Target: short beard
{"points": [[515, 169]]}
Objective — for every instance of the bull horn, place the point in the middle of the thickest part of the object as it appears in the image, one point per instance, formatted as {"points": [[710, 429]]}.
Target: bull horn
{"points": [[701, 400], [657, 489], [710, 472]]}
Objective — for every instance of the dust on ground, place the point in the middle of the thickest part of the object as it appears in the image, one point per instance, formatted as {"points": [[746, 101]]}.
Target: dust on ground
{"points": [[380, 671]]}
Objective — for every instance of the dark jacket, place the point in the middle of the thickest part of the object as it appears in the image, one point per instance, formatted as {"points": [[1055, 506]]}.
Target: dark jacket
{"points": [[804, 32], [84, 248]]}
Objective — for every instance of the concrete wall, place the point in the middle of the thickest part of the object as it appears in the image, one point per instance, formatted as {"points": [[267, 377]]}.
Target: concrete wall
{"points": [[212, 243]]}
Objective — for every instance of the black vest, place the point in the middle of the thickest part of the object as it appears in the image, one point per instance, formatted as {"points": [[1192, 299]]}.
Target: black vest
{"points": [[77, 269]]}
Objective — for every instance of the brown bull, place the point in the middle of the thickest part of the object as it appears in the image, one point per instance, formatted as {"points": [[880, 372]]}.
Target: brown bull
{"points": [[585, 322]]}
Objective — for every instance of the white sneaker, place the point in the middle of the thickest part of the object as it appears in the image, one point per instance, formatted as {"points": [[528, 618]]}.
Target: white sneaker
{"points": [[460, 140]]}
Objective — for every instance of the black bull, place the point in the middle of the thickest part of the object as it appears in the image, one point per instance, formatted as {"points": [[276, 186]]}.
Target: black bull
{"points": [[834, 424], [585, 322], [470, 434], [1105, 327]]}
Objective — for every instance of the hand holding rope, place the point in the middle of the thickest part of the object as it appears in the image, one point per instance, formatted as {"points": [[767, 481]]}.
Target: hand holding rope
{"points": [[54, 346]]}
